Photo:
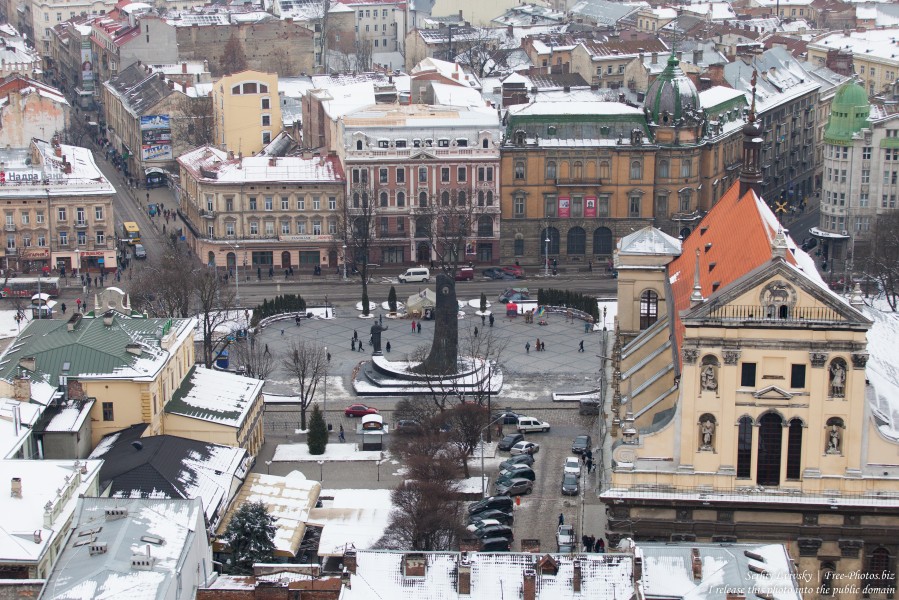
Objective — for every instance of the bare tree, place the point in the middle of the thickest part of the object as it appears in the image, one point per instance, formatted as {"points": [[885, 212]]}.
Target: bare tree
{"points": [[426, 517], [487, 346], [326, 9], [215, 303], [234, 57], [308, 363], [192, 123], [255, 358], [358, 228], [882, 262], [485, 51], [464, 423], [282, 61], [163, 287], [442, 390]]}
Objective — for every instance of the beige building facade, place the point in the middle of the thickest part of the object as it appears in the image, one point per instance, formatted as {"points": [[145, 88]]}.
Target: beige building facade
{"points": [[246, 111]]}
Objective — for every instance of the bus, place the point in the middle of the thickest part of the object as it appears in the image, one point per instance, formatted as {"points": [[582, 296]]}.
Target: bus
{"points": [[26, 287], [130, 232]]}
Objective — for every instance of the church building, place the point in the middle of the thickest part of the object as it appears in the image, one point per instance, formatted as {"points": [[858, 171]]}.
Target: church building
{"points": [[739, 400]]}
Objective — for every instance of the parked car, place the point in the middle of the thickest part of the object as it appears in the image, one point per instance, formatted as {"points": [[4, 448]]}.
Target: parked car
{"points": [[510, 440], [139, 251], [496, 273], [492, 515], [522, 471], [515, 295], [359, 410], [509, 417], [496, 545], [415, 274], [521, 459], [809, 243], [581, 444], [567, 549], [515, 487], [491, 503], [528, 424], [588, 406], [515, 271], [494, 531], [480, 523], [524, 448], [573, 466], [570, 485], [407, 426], [565, 535], [465, 274]]}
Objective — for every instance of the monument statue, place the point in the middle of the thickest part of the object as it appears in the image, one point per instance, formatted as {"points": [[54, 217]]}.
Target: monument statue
{"points": [[837, 379], [376, 330], [833, 442], [709, 378], [708, 434]]}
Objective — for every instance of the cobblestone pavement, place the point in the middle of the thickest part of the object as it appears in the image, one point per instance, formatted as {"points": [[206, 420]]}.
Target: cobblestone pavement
{"points": [[529, 381]]}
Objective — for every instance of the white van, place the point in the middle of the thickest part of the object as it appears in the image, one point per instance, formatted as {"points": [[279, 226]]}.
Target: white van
{"points": [[527, 424], [415, 274]]}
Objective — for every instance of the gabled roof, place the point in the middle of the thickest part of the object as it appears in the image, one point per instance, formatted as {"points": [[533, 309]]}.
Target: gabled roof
{"points": [[167, 466], [139, 90], [649, 240]]}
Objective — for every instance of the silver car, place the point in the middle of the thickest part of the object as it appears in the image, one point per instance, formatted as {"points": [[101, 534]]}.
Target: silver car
{"points": [[515, 487]]}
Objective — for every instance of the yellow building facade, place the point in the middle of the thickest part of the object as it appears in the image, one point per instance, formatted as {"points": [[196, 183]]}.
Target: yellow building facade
{"points": [[246, 110]]}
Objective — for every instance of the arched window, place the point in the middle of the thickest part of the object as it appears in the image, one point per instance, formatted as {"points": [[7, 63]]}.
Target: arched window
{"points": [[481, 198], [383, 198], [356, 200], [663, 169], [636, 170], [878, 574], [551, 170], [552, 234], [744, 448], [231, 260], [422, 227], [827, 577], [485, 143], [794, 449], [489, 198], [358, 144], [485, 226], [577, 241], [460, 199], [602, 240], [577, 171], [519, 245], [771, 429], [423, 199], [649, 308], [400, 199], [210, 259], [444, 198], [604, 169]]}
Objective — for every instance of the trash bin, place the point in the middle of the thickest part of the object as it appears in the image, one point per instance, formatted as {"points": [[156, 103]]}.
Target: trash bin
{"points": [[330, 427]]}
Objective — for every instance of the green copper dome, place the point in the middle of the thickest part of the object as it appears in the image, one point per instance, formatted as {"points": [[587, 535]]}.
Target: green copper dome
{"points": [[849, 114], [671, 97]]}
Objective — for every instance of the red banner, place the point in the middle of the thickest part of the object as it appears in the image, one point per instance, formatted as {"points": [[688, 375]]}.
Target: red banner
{"points": [[590, 206], [564, 207]]}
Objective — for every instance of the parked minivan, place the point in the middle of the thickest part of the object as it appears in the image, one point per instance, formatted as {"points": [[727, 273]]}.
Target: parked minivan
{"points": [[465, 274], [415, 274], [526, 424]]}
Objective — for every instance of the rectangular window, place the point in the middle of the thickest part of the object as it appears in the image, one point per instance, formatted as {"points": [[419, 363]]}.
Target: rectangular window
{"points": [[577, 206], [797, 376], [385, 225], [550, 210], [301, 227], [602, 208], [634, 207], [266, 104], [252, 202], [254, 227], [301, 204], [101, 238], [210, 231], [108, 414], [863, 200], [25, 218], [285, 227], [444, 174], [519, 171], [332, 227], [400, 224], [229, 228], [39, 217], [866, 153], [316, 203], [41, 241], [461, 175], [685, 168], [747, 374], [316, 227], [866, 175], [519, 206], [269, 202], [382, 175], [401, 175], [332, 202], [422, 174], [266, 120], [61, 214], [285, 204], [269, 228], [63, 238]]}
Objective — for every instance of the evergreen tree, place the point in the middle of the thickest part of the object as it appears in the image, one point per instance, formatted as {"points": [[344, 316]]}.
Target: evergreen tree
{"points": [[317, 438], [483, 302], [391, 299], [251, 537]]}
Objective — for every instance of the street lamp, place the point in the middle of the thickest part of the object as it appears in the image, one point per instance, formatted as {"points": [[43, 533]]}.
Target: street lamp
{"points": [[344, 262], [268, 467], [546, 258], [481, 436], [236, 272], [321, 470], [378, 462], [325, 403]]}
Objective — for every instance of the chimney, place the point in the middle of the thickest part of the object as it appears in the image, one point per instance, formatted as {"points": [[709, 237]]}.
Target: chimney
{"points": [[463, 580], [134, 349], [21, 390], [349, 561], [28, 363], [107, 318], [654, 58], [66, 166], [273, 162], [57, 150], [680, 55], [638, 569], [529, 589], [74, 321], [38, 536], [704, 83], [576, 579], [696, 561], [697, 57], [184, 67], [15, 488]]}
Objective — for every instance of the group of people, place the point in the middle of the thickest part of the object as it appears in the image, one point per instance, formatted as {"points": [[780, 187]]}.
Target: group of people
{"points": [[484, 320], [416, 327], [587, 461], [592, 544]]}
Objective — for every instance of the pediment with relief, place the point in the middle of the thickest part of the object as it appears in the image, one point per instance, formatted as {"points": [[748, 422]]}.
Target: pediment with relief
{"points": [[422, 155], [772, 392]]}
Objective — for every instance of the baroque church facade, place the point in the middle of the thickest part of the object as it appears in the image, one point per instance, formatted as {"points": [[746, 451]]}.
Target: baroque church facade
{"points": [[739, 400]]}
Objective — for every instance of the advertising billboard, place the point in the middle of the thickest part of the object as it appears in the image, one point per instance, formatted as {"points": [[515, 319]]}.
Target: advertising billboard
{"points": [[564, 207], [156, 137], [87, 66]]}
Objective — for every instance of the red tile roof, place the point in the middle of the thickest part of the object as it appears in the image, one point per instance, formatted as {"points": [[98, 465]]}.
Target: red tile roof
{"points": [[733, 239]]}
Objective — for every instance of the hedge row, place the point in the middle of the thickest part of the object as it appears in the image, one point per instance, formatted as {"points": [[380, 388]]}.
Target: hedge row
{"points": [[281, 304], [565, 298]]}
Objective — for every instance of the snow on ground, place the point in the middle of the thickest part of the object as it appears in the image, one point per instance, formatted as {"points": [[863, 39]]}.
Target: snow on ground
{"points": [[8, 326], [320, 312], [606, 320], [476, 303], [333, 453], [231, 320], [882, 369], [471, 485], [351, 518]]}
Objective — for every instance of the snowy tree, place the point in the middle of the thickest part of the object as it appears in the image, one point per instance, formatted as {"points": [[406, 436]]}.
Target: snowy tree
{"points": [[251, 537], [317, 439]]}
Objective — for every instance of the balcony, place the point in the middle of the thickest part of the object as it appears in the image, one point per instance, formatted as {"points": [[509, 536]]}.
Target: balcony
{"points": [[577, 182], [10, 251], [207, 214], [10, 227], [80, 224], [769, 316]]}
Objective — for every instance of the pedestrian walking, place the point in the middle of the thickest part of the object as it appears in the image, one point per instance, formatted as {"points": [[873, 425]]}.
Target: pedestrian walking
{"points": [[584, 540], [355, 335], [591, 543], [476, 332], [538, 344], [413, 326], [297, 319], [353, 345], [63, 307], [491, 320], [589, 465], [259, 273], [360, 346], [387, 346], [542, 346], [282, 333], [419, 327], [527, 348], [561, 519], [329, 357], [601, 546], [78, 304], [340, 436], [580, 347], [381, 319], [483, 320]]}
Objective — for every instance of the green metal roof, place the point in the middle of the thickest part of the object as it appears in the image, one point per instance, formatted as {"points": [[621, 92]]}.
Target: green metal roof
{"points": [[91, 349], [849, 114], [670, 94]]}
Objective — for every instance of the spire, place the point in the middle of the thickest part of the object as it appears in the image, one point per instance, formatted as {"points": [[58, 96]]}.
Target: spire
{"points": [[751, 172], [696, 296], [779, 245]]}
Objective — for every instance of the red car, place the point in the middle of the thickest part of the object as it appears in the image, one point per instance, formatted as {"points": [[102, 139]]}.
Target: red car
{"points": [[359, 410], [515, 271]]}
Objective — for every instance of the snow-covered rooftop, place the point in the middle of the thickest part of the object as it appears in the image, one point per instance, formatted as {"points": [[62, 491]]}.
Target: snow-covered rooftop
{"points": [[574, 108], [70, 417], [16, 428], [649, 241], [216, 396], [351, 518], [716, 95], [870, 43], [62, 171], [882, 369], [214, 165]]}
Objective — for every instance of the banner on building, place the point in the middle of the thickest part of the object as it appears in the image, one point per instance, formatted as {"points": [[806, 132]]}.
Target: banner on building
{"points": [[564, 207], [156, 137], [87, 66], [590, 206]]}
